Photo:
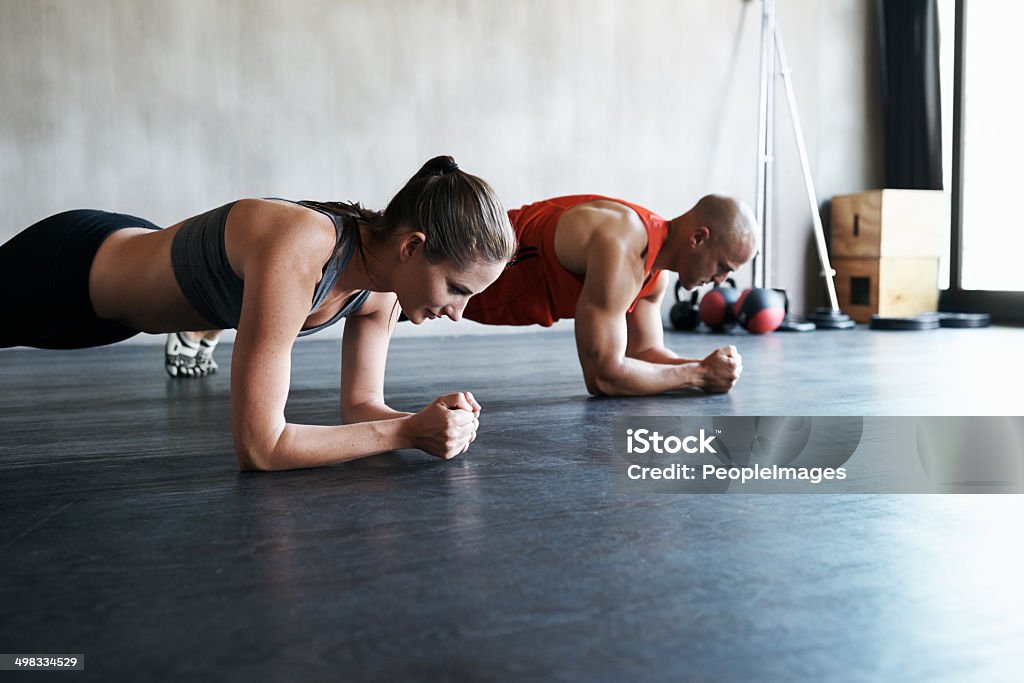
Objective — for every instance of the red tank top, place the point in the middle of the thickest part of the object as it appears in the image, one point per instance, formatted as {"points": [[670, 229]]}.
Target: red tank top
{"points": [[536, 289]]}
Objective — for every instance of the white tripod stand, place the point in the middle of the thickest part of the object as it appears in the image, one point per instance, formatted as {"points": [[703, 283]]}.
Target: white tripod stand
{"points": [[771, 41]]}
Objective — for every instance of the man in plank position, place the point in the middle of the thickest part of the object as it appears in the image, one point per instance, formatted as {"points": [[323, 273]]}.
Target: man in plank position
{"points": [[601, 261]]}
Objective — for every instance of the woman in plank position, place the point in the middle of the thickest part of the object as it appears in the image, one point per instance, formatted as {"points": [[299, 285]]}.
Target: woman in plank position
{"points": [[275, 270]]}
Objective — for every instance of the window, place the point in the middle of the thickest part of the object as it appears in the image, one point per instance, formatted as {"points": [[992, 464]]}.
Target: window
{"points": [[987, 155]]}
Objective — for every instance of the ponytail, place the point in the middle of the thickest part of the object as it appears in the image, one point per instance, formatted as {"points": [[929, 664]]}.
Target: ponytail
{"points": [[460, 215], [438, 166]]}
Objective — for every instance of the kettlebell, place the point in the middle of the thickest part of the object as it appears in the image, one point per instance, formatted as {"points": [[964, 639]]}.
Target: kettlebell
{"points": [[684, 315], [761, 310], [716, 308]]}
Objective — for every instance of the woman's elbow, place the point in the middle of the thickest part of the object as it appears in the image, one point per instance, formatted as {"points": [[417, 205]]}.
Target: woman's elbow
{"points": [[247, 462], [351, 414], [258, 450], [254, 459]]}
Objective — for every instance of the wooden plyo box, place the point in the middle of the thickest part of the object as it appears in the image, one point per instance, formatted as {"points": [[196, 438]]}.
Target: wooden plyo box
{"points": [[885, 248], [890, 287], [890, 224]]}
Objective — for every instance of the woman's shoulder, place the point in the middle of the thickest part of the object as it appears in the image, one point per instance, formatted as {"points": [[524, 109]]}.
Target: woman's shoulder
{"points": [[277, 219], [280, 228], [378, 304], [281, 211]]}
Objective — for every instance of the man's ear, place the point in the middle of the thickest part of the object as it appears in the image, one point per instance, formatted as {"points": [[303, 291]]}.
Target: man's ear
{"points": [[700, 235], [411, 243]]}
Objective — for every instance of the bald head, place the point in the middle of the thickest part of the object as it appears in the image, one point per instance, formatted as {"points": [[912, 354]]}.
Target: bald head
{"points": [[710, 241], [730, 221]]}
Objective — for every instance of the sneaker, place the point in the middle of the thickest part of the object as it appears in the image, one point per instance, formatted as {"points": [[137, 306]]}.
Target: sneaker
{"points": [[180, 356], [204, 357]]}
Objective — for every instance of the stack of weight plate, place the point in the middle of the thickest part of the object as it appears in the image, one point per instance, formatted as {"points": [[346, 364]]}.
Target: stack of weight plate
{"points": [[931, 321]]}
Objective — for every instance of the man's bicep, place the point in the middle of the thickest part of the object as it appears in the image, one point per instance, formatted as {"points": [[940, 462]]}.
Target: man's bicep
{"points": [[608, 290], [644, 329], [644, 326], [600, 332]]}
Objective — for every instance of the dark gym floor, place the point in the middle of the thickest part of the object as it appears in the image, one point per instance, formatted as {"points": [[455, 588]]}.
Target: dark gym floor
{"points": [[129, 535]]}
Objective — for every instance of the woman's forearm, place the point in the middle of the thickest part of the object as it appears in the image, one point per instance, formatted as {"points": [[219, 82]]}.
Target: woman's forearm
{"points": [[300, 446], [369, 412]]}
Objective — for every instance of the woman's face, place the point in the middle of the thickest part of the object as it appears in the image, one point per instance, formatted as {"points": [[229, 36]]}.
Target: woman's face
{"points": [[431, 290]]}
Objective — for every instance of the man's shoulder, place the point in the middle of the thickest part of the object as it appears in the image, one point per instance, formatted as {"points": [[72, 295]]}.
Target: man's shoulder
{"points": [[604, 232], [605, 222]]}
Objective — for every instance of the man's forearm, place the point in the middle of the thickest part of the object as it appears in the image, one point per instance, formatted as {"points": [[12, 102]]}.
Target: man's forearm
{"points": [[634, 377], [660, 355]]}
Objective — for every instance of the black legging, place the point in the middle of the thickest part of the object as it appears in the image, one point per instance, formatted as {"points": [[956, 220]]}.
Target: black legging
{"points": [[44, 282]]}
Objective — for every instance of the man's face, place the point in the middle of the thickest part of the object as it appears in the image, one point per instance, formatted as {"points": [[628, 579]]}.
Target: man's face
{"points": [[706, 262]]}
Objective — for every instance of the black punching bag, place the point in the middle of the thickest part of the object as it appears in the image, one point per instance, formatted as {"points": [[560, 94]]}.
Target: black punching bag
{"points": [[760, 310], [716, 308]]}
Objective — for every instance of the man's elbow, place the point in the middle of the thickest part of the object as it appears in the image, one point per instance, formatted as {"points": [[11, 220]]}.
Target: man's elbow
{"points": [[636, 354], [603, 383]]}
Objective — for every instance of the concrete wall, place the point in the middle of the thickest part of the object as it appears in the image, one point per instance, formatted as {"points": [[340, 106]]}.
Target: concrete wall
{"points": [[164, 108]]}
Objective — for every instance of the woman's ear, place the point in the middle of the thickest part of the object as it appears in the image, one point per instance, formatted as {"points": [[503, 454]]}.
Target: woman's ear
{"points": [[412, 242]]}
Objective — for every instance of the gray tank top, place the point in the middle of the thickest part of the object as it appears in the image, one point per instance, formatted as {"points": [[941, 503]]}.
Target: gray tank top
{"points": [[201, 266]]}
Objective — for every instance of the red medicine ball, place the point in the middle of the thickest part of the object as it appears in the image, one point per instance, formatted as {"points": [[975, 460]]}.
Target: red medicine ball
{"points": [[716, 308], [760, 310]]}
